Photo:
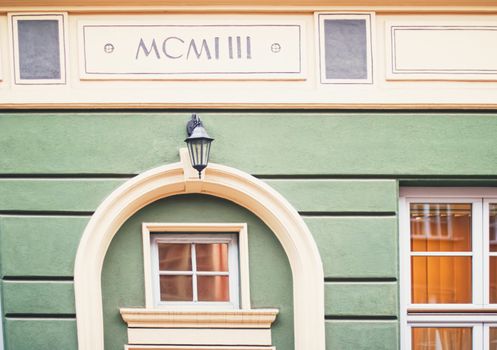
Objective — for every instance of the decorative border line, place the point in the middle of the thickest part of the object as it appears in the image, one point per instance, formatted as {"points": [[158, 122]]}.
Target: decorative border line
{"points": [[394, 70]]}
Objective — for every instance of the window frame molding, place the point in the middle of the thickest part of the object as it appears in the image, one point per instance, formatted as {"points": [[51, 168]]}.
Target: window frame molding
{"points": [[474, 315], [370, 24], [222, 228], [220, 181], [62, 19]]}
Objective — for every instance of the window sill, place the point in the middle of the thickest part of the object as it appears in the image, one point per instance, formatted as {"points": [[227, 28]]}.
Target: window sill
{"points": [[243, 329], [160, 318]]}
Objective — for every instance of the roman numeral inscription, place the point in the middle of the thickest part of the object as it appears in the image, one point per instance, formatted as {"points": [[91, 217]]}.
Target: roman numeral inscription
{"points": [[184, 51], [175, 48]]}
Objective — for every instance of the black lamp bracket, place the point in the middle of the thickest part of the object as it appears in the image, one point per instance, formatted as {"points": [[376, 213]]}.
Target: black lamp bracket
{"points": [[193, 123]]}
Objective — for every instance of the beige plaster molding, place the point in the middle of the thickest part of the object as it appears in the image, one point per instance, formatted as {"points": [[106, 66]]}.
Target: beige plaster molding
{"points": [[194, 347], [223, 5], [220, 181], [157, 318]]}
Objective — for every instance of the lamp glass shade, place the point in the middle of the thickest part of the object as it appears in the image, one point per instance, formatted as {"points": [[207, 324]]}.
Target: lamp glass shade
{"points": [[199, 153], [199, 146]]}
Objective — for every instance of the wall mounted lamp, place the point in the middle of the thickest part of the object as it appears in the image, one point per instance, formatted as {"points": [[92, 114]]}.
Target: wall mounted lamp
{"points": [[199, 144]]}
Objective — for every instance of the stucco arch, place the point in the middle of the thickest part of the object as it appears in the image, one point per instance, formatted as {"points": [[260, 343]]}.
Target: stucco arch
{"points": [[220, 181]]}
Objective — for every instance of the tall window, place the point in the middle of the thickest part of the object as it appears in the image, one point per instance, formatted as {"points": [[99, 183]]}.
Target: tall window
{"points": [[448, 271]]}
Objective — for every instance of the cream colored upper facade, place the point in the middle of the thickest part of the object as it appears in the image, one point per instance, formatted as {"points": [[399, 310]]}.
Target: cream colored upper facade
{"points": [[419, 56]]}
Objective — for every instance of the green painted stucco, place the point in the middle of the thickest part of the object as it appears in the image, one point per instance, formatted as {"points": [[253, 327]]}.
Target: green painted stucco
{"points": [[122, 275], [274, 143], [356, 247], [53, 240], [40, 334], [341, 170], [362, 335]]}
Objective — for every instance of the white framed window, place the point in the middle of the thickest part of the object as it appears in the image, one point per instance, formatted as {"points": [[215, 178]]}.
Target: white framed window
{"points": [[196, 266], [39, 47], [448, 272], [195, 269]]}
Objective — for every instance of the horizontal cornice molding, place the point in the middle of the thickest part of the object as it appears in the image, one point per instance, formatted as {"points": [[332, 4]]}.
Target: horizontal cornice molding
{"points": [[134, 6], [160, 318]]}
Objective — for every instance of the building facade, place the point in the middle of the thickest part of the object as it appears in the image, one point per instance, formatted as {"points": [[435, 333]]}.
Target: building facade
{"points": [[349, 202]]}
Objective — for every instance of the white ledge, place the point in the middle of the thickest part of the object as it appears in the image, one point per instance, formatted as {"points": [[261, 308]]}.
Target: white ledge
{"points": [[159, 318]]}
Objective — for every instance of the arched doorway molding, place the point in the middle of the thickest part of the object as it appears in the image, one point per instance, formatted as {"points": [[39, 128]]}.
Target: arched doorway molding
{"points": [[220, 181]]}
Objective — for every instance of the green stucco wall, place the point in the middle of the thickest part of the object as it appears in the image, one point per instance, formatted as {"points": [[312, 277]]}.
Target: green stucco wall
{"points": [[122, 275], [340, 170]]}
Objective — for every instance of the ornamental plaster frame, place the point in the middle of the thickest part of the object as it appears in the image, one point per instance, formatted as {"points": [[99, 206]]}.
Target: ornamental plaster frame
{"points": [[219, 181]]}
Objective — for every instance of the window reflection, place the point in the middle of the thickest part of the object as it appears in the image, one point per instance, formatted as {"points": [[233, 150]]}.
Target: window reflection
{"points": [[492, 231], [175, 257], [440, 227], [176, 288], [213, 288], [441, 280], [492, 338], [450, 338], [212, 257], [194, 272]]}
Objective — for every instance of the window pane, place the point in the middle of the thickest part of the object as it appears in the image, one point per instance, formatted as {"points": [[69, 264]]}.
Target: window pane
{"points": [[493, 228], [443, 280], [212, 257], [213, 288], [438, 227], [176, 288], [493, 338], [175, 257], [39, 55], [450, 338], [493, 279]]}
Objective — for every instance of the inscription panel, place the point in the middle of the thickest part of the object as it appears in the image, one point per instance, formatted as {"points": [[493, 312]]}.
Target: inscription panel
{"points": [[191, 51], [445, 51]]}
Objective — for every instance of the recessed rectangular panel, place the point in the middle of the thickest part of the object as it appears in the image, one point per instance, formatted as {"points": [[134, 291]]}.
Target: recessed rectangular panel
{"points": [[189, 336], [39, 56], [220, 49], [345, 48], [457, 50], [38, 44]]}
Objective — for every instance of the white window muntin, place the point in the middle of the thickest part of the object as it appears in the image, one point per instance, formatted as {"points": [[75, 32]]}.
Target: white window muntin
{"points": [[240, 229], [197, 238], [469, 313], [61, 18], [486, 248], [486, 334], [475, 253]]}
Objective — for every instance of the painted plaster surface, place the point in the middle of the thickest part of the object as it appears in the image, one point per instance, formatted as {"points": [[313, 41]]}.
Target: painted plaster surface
{"points": [[339, 170], [258, 143], [122, 275]]}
